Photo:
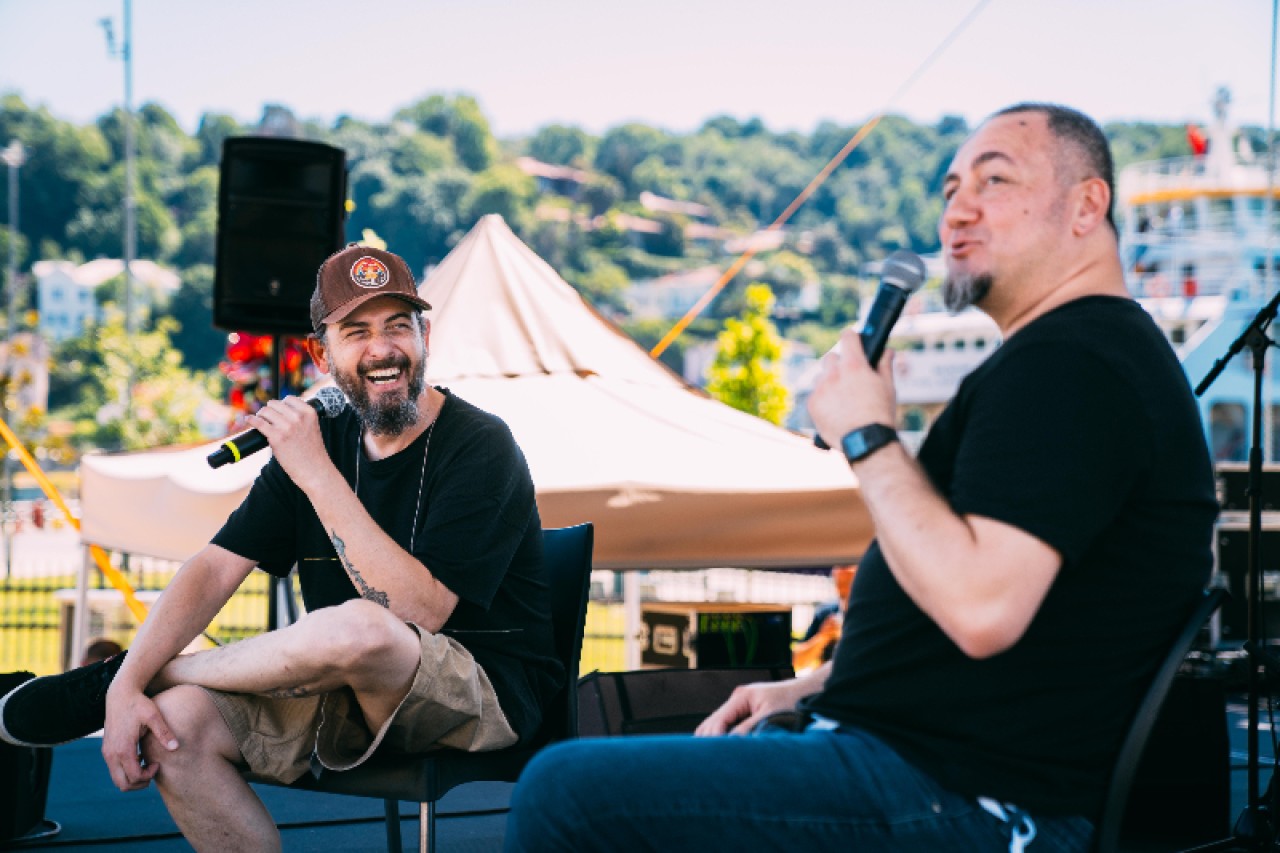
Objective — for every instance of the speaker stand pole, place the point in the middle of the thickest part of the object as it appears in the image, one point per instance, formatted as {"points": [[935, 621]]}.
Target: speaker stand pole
{"points": [[276, 589], [1255, 829]]}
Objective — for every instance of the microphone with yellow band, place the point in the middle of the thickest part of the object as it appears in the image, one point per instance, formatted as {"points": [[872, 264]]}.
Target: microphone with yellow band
{"points": [[328, 403]]}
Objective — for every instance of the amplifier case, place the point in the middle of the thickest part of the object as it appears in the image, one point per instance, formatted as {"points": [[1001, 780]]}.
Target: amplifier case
{"points": [[714, 634]]}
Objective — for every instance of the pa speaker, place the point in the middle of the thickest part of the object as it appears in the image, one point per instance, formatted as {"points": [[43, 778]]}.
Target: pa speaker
{"points": [[280, 212]]}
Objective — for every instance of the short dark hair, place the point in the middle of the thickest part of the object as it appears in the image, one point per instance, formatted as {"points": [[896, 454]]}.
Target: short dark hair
{"points": [[1086, 139]]}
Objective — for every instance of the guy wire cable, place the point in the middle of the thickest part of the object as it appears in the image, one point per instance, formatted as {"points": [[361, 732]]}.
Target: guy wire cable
{"points": [[1270, 273], [817, 181]]}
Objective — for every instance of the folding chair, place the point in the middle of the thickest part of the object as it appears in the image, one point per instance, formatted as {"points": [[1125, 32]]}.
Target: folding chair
{"points": [[425, 778], [1108, 831]]}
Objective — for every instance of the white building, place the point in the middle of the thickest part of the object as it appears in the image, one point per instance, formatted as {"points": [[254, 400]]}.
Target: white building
{"points": [[671, 295], [65, 291]]}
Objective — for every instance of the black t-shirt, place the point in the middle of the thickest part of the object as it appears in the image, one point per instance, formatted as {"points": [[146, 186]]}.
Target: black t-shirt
{"points": [[1082, 431], [478, 533]]}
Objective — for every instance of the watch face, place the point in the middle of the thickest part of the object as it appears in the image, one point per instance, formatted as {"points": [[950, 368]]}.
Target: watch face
{"points": [[864, 441]]}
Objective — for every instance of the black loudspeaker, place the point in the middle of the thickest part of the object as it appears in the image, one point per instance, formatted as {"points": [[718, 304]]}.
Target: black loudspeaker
{"points": [[24, 789], [280, 212]]}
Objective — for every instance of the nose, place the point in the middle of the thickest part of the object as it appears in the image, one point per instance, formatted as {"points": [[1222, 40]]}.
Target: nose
{"points": [[380, 341], [961, 209]]}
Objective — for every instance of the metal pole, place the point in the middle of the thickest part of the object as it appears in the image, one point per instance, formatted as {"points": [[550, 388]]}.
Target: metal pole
{"points": [[14, 156], [1269, 277], [130, 204]]}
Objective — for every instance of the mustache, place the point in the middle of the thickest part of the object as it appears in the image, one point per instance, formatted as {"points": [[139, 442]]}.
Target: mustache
{"points": [[401, 362]]}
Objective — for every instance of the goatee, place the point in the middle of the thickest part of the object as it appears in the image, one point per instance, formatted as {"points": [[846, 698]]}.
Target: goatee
{"points": [[391, 415], [961, 291]]}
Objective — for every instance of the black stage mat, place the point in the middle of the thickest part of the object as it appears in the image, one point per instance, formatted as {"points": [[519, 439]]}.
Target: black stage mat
{"points": [[96, 816]]}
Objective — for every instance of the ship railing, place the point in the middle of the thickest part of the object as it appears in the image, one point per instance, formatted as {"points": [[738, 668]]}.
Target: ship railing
{"points": [[1188, 173]]}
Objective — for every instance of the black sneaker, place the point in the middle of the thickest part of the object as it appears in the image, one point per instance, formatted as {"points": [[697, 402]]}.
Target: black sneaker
{"points": [[58, 708]]}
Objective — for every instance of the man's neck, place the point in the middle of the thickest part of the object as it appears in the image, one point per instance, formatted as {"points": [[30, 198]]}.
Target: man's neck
{"points": [[1096, 273], [377, 446]]}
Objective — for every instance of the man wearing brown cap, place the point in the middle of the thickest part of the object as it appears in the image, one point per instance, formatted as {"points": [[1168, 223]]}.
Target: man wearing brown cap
{"points": [[411, 518]]}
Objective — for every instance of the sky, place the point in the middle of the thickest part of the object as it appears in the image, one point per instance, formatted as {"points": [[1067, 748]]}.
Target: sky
{"points": [[669, 63]]}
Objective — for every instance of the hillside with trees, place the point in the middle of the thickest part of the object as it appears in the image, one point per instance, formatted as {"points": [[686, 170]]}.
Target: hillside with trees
{"points": [[632, 204]]}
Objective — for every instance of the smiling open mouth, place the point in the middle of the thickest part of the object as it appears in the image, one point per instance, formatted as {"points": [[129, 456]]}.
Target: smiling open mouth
{"points": [[385, 376]]}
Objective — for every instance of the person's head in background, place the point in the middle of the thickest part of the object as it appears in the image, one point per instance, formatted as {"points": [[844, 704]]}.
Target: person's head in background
{"points": [[100, 649]]}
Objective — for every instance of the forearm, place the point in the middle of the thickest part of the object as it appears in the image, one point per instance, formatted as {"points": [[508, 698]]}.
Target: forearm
{"points": [[980, 580], [811, 683], [381, 570], [189, 603]]}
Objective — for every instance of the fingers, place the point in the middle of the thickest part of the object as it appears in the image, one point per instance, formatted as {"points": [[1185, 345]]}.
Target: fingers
{"points": [[160, 730], [129, 771], [851, 350], [124, 757], [735, 708], [277, 417], [885, 367], [745, 727]]}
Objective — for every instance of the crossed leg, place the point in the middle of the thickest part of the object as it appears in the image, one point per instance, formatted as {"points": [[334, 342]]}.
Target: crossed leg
{"points": [[358, 644]]}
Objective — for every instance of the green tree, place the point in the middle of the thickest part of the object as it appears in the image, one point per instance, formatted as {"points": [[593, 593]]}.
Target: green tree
{"points": [[165, 396], [563, 146], [502, 189], [202, 346], [458, 118], [746, 374], [625, 147], [213, 131], [60, 157], [417, 154]]}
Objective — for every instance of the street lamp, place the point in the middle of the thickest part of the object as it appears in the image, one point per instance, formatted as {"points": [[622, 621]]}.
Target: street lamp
{"points": [[125, 53], [130, 204], [13, 156]]}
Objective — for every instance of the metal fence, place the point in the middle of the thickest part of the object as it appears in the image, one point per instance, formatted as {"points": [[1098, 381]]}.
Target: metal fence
{"points": [[36, 609]]}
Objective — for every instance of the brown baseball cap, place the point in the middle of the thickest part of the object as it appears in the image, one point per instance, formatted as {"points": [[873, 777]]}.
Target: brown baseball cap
{"points": [[351, 277]]}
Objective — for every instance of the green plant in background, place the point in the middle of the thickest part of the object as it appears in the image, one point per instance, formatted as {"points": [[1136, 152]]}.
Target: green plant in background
{"points": [[746, 373]]}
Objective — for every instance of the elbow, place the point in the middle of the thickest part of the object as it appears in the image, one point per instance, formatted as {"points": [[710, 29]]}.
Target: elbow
{"points": [[985, 635]]}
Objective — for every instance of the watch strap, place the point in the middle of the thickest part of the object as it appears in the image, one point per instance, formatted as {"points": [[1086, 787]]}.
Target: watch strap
{"points": [[860, 443]]}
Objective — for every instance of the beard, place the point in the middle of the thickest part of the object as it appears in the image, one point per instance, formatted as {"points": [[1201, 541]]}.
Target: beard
{"points": [[392, 414], [961, 291]]}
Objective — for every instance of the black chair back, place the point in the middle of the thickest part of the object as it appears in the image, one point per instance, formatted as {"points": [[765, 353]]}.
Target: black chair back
{"points": [[1108, 832], [566, 552]]}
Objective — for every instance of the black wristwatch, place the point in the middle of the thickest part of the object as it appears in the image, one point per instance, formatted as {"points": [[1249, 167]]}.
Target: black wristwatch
{"points": [[864, 441]]}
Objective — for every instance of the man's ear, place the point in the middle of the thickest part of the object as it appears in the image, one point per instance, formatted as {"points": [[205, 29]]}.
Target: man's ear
{"points": [[317, 352], [1093, 200], [426, 334]]}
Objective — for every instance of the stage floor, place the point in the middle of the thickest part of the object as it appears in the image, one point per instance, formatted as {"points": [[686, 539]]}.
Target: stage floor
{"points": [[96, 817]]}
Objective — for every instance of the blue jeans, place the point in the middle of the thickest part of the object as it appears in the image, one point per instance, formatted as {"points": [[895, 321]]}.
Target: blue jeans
{"points": [[830, 790]]}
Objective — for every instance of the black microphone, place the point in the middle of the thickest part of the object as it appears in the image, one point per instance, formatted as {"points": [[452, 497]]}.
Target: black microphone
{"points": [[900, 276], [328, 403]]}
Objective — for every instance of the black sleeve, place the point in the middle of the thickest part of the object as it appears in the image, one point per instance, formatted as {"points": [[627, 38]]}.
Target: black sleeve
{"points": [[1054, 442], [264, 527], [478, 513]]}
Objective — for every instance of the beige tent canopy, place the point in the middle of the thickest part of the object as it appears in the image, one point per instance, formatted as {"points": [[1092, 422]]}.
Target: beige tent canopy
{"points": [[670, 477]]}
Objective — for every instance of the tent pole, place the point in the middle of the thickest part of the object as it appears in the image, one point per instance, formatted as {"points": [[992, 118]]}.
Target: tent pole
{"points": [[631, 619], [80, 622]]}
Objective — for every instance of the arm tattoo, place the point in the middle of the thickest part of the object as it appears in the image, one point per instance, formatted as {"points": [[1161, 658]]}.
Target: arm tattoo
{"points": [[377, 596]]}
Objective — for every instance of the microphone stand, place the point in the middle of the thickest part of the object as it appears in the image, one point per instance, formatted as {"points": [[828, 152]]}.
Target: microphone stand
{"points": [[1255, 829], [279, 590]]}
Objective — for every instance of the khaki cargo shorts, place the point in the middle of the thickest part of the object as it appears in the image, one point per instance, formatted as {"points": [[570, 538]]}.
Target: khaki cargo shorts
{"points": [[450, 704]]}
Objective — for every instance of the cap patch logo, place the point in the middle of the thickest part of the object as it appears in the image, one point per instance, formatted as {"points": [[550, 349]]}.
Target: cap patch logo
{"points": [[370, 273]]}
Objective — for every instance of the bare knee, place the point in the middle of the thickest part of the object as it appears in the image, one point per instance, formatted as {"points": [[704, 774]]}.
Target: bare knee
{"points": [[357, 631], [201, 732]]}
